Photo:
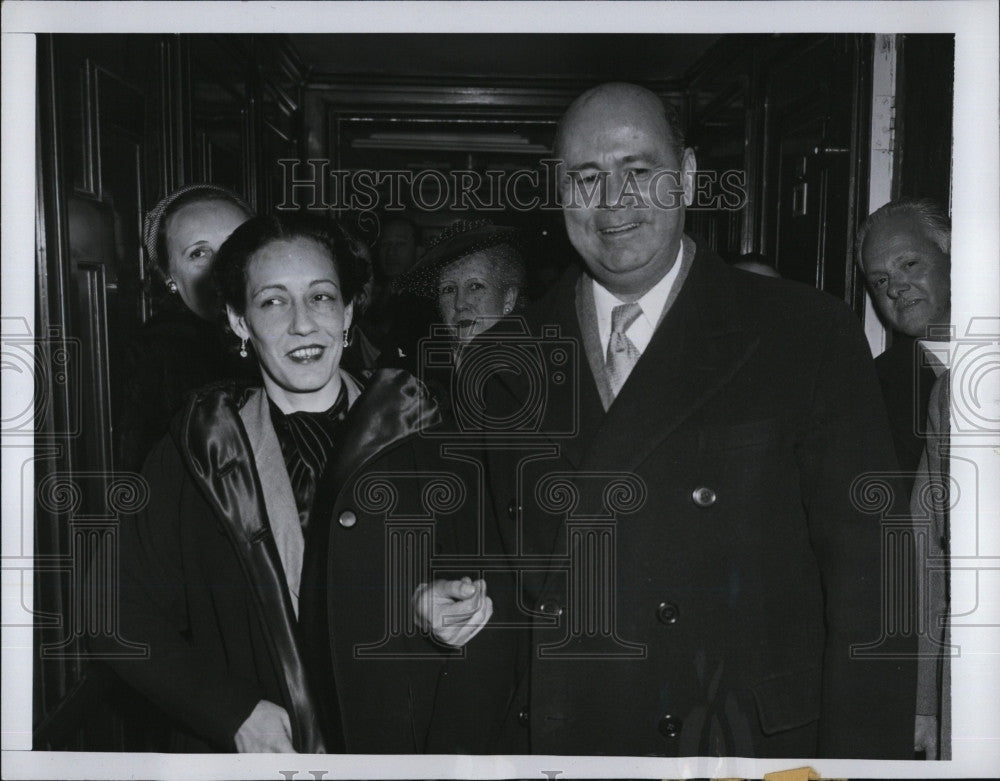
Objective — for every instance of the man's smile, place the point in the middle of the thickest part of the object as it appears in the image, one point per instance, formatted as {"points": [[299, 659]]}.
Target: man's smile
{"points": [[617, 230], [907, 303]]}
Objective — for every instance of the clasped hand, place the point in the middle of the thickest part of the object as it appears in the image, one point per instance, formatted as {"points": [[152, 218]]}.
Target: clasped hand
{"points": [[453, 611]]}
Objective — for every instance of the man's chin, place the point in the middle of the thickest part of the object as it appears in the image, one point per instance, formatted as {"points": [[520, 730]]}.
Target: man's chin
{"points": [[628, 276], [921, 324]]}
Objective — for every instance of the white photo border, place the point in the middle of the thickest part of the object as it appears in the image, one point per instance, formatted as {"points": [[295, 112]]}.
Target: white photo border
{"points": [[975, 297]]}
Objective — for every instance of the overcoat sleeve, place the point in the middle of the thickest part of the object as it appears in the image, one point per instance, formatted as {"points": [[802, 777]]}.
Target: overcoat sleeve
{"points": [[175, 675], [868, 684]]}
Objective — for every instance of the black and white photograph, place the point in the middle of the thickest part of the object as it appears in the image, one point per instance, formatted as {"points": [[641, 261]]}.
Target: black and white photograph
{"points": [[500, 390]]}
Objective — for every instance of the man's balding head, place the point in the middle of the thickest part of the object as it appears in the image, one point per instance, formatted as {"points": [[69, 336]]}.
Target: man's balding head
{"points": [[904, 250], [623, 141], [611, 94]]}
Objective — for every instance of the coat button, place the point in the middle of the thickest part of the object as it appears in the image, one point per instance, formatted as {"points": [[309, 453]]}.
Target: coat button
{"points": [[703, 496], [347, 519], [552, 608], [522, 716], [513, 509], [670, 727], [668, 613]]}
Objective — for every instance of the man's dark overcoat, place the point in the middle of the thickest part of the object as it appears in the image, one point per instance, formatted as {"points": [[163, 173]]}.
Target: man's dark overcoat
{"points": [[698, 570]]}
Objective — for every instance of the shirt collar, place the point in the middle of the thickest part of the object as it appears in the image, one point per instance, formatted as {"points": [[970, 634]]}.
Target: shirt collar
{"points": [[651, 303], [937, 354]]}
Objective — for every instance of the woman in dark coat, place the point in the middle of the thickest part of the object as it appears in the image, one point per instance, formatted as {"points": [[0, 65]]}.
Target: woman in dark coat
{"points": [[257, 641], [181, 347]]}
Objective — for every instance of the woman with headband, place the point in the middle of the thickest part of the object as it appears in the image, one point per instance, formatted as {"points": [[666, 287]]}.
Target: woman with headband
{"points": [[181, 347]]}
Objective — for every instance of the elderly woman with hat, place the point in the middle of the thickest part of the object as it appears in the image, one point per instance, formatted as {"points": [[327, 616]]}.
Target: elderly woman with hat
{"points": [[181, 347], [475, 272]]}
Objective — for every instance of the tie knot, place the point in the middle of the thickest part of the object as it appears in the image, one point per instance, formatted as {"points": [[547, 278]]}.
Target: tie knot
{"points": [[623, 315]]}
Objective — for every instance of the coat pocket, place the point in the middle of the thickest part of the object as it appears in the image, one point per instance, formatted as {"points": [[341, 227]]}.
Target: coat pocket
{"points": [[788, 701]]}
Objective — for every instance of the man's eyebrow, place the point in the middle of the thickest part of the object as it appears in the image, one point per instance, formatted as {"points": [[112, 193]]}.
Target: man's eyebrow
{"points": [[637, 159], [634, 158], [581, 166]]}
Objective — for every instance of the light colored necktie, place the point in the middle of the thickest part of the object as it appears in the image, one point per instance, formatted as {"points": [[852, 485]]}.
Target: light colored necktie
{"points": [[622, 354]]}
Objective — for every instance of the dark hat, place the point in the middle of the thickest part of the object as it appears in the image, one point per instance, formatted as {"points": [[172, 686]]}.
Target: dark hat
{"points": [[458, 240]]}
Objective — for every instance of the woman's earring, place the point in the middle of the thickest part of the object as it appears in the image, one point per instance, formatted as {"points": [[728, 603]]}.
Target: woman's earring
{"points": [[347, 337], [243, 349], [172, 286], [506, 309]]}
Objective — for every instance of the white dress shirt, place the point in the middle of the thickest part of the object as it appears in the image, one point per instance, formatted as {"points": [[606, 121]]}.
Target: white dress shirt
{"points": [[651, 303]]}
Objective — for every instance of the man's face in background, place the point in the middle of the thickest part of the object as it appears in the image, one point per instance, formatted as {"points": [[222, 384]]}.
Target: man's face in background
{"points": [[908, 274], [397, 249]]}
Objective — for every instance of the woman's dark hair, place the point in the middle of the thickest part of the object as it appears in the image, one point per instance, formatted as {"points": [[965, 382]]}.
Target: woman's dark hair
{"points": [[348, 253]]}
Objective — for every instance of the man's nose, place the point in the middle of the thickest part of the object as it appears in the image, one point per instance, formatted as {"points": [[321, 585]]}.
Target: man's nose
{"points": [[897, 287], [611, 196]]}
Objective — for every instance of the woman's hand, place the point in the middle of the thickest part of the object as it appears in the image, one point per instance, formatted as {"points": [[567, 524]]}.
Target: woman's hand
{"points": [[453, 611], [266, 730]]}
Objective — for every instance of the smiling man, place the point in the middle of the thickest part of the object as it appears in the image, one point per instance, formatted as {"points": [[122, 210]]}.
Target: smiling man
{"points": [[719, 421], [630, 238], [904, 250]]}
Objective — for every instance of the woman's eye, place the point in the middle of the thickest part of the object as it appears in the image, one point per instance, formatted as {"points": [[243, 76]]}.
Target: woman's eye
{"points": [[639, 173], [447, 290], [269, 302], [476, 286], [324, 297]]}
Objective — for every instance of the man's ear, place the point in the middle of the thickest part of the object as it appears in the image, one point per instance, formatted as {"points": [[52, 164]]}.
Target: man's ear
{"points": [[688, 168], [237, 323]]}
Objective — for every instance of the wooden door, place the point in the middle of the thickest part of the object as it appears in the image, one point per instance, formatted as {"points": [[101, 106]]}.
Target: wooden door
{"points": [[810, 123], [101, 153]]}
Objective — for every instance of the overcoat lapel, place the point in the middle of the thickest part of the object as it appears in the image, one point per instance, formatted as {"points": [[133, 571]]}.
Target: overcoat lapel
{"points": [[697, 348], [394, 405]]}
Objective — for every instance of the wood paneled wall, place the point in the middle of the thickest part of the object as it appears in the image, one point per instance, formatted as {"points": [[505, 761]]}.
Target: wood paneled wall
{"points": [[122, 120]]}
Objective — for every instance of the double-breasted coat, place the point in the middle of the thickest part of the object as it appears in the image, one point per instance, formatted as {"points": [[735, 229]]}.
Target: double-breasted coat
{"points": [[691, 573]]}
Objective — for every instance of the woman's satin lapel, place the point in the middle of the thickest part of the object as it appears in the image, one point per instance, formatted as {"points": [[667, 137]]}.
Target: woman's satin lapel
{"points": [[282, 513], [394, 405], [214, 443], [213, 440]]}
